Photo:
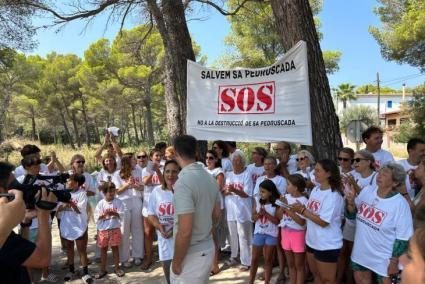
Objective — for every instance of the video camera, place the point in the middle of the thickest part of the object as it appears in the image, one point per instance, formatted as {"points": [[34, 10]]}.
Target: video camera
{"points": [[30, 190]]}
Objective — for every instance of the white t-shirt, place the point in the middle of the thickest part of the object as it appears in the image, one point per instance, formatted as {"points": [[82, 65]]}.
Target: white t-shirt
{"points": [[328, 205], [215, 172], [130, 192], [264, 225], [279, 181], [238, 208], [149, 187], [161, 206], [409, 183], [20, 171], [256, 172], [308, 174], [382, 157], [291, 165], [350, 224], [88, 183], [226, 165], [286, 220], [379, 221], [116, 206], [74, 225]]}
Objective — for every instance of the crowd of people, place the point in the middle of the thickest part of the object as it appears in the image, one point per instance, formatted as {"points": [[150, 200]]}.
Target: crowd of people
{"points": [[358, 220]]}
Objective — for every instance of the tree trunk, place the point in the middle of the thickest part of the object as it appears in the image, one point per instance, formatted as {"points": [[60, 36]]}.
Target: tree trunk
{"points": [[149, 124], [96, 128], [141, 124], [85, 119], [33, 127], [133, 116], [295, 22], [171, 24], [344, 104], [3, 110], [74, 124], [65, 126]]}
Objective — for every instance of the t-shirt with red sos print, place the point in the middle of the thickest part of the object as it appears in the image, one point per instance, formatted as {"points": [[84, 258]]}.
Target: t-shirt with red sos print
{"points": [[379, 222], [327, 205], [264, 225], [110, 222], [147, 171], [382, 157], [256, 172], [287, 221], [161, 206], [130, 192], [73, 225], [238, 208]]}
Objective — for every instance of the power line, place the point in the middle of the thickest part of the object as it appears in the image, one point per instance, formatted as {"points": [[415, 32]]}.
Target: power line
{"points": [[400, 78]]}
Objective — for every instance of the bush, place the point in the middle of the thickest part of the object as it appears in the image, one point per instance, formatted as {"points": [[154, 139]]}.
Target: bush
{"points": [[366, 114]]}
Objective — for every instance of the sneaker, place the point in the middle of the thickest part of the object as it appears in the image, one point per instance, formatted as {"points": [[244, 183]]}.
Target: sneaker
{"points": [[137, 261], [68, 276], [231, 262], [87, 279], [126, 264], [51, 278]]}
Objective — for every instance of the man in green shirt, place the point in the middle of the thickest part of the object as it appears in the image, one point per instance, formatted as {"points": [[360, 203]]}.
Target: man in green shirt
{"points": [[196, 207]]}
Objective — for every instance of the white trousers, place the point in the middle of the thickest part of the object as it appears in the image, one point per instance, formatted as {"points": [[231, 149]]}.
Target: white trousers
{"points": [[241, 236], [196, 268], [132, 224]]}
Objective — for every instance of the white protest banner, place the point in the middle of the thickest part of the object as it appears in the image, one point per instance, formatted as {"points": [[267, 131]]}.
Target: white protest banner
{"points": [[251, 105]]}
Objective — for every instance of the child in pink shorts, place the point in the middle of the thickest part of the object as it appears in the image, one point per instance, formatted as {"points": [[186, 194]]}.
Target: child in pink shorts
{"points": [[108, 221], [293, 229]]}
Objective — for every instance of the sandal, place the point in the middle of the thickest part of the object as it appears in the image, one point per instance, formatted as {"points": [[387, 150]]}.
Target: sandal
{"points": [[119, 273], [146, 265], [68, 276], [260, 276], [51, 278], [244, 268], [100, 275]]}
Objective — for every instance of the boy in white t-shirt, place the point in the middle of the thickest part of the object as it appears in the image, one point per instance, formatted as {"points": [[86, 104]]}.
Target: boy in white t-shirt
{"points": [[107, 216], [74, 224]]}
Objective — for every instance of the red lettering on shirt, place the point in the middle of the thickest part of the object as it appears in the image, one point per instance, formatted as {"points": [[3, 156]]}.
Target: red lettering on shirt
{"points": [[371, 214], [314, 205], [166, 208], [155, 179]]}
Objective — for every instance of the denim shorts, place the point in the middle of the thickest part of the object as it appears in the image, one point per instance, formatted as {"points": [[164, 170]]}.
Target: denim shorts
{"points": [[263, 239]]}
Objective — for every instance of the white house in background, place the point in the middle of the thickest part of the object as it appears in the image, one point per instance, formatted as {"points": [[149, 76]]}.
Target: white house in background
{"points": [[388, 102]]}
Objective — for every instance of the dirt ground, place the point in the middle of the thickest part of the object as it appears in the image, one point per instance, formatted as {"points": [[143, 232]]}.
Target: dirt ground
{"points": [[135, 274]]}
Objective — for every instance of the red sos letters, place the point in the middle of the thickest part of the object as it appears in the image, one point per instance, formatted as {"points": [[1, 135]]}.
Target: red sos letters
{"points": [[166, 208], [256, 98], [314, 205], [372, 214]]}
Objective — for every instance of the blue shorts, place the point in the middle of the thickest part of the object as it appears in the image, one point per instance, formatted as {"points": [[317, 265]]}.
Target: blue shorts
{"points": [[263, 239]]}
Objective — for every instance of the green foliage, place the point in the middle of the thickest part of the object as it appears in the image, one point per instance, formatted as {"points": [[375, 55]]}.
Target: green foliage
{"points": [[369, 88], [402, 35], [254, 40], [366, 114]]}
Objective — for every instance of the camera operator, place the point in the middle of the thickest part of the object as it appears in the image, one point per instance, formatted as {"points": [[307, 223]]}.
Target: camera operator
{"points": [[16, 253]]}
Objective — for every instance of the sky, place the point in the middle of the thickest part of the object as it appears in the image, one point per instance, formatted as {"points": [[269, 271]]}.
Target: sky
{"points": [[344, 27]]}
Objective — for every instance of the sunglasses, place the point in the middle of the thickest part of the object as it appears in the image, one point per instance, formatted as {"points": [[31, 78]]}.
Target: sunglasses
{"points": [[357, 160], [209, 158], [344, 159], [301, 159], [142, 157], [80, 162]]}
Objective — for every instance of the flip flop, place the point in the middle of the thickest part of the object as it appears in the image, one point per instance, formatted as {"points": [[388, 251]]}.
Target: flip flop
{"points": [[146, 265], [119, 273], [101, 274]]}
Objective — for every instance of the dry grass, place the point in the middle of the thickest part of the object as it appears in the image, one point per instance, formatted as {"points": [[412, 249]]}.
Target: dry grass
{"points": [[63, 152]]}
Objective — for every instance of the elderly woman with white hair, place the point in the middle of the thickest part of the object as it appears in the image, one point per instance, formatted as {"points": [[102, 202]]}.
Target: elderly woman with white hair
{"points": [[383, 225], [238, 199], [305, 164]]}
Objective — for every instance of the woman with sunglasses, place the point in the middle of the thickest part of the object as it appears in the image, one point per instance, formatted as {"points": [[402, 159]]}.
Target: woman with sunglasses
{"points": [[323, 215], [220, 148], [214, 168], [383, 226], [142, 159], [152, 177], [305, 163], [128, 181], [78, 167], [345, 161], [161, 215]]}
